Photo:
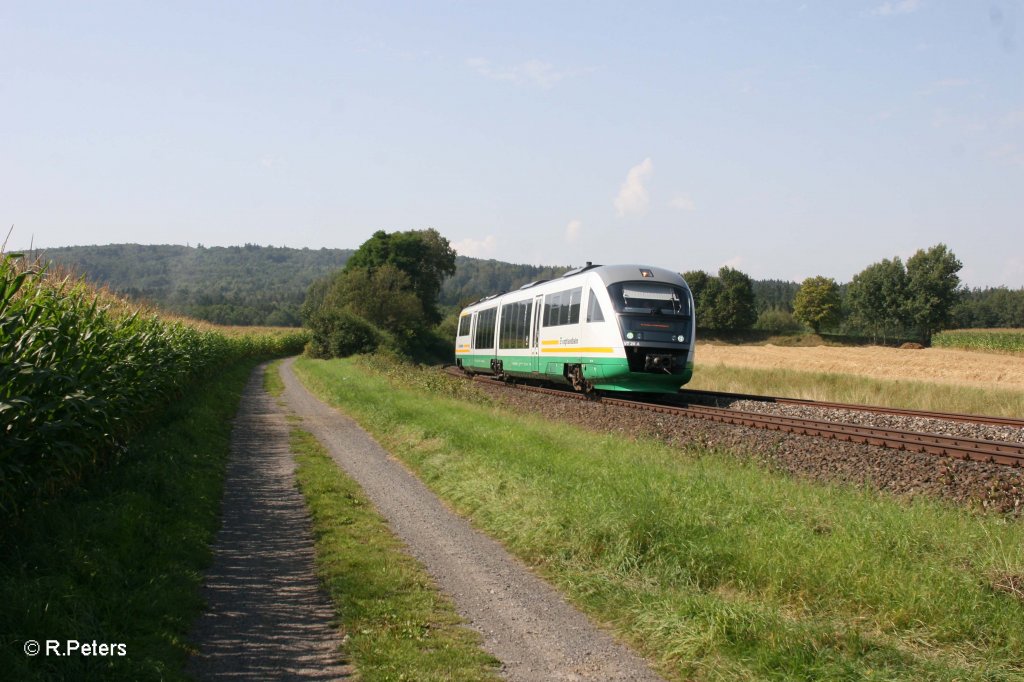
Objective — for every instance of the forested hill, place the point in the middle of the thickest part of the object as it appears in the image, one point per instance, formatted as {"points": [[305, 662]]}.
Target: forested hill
{"points": [[475, 278], [266, 285], [261, 285], [245, 285]]}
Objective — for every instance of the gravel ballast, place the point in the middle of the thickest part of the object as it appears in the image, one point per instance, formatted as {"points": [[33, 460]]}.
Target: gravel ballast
{"points": [[878, 420]]}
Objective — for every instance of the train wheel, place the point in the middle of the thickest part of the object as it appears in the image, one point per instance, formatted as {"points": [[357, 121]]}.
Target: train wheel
{"points": [[579, 382]]}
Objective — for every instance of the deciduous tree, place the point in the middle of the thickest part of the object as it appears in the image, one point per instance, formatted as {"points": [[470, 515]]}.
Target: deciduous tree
{"points": [[933, 288], [423, 255], [877, 298], [818, 303], [725, 302]]}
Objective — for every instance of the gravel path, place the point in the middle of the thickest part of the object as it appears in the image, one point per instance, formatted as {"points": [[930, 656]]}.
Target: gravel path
{"points": [[267, 618], [525, 623]]}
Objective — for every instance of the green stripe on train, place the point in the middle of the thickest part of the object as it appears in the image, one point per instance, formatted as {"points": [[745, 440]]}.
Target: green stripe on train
{"points": [[599, 370]]}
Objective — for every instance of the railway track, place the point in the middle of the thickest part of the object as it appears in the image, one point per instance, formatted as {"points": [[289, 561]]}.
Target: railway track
{"points": [[995, 452], [948, 416]]}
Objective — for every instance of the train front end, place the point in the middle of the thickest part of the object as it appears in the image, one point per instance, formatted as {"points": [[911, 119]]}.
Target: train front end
{"points": [[654, 312]]}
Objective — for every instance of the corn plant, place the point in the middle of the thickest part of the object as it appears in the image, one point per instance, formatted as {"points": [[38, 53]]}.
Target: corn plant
{"points": [[80, 371], [1000, 340]]}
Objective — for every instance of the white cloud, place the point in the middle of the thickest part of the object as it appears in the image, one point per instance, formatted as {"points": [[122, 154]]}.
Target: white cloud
{"points": [[1009, 153], [735, 262], [888, 9], [573, 230], [1013, 119], [633, 197], [531, 72], [683, 202], [943, 85], [477, 248]]}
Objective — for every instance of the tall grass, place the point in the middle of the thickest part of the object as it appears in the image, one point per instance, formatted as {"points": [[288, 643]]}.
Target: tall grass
{"points": [[996, 340], [712, 567], [80, 371]]}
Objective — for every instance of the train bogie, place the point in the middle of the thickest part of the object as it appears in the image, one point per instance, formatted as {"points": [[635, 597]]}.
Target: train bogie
{"points": [[610, 328]]}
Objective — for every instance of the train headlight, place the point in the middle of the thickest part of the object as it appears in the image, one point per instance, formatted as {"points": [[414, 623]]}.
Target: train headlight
{"points": [[629, 335]]}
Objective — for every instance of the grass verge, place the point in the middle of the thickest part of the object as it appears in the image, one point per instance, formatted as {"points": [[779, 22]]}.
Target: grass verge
{"points": [[711, 567], [120, 558], [398, 626], [848, 388]]}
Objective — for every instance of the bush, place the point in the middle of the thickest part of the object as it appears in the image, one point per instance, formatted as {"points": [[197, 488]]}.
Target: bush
{"points": [[778, 321], [340, 333]]}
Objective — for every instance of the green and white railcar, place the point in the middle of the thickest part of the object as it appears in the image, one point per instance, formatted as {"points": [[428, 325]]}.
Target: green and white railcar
{"points": [[605, 327]]}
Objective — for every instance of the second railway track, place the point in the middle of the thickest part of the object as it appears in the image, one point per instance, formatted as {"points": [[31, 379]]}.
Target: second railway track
{"points": [[948, 416]]}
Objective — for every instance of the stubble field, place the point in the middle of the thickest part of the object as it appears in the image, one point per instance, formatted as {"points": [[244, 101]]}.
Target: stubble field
{"points": [[937, 379]]}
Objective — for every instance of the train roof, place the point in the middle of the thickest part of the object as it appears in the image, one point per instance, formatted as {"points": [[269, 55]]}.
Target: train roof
{"points": [[626, 273], [609, 274]]}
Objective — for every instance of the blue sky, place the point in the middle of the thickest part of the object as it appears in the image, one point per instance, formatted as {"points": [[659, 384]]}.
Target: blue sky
{"points": [[788, 139]]}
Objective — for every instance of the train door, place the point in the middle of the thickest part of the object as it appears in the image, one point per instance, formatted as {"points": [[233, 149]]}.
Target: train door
{"points": [[538, 310]]}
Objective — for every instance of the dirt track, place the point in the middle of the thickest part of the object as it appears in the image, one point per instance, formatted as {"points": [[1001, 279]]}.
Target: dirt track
{"points": [[267, 617], [525, 623]]}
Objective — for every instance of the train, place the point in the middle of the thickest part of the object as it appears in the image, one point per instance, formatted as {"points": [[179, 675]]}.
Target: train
{"points": [[595, 328]]}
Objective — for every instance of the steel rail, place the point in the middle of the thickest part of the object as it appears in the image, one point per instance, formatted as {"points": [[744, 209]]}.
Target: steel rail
{"points": [[994, 452], [948, 416]]}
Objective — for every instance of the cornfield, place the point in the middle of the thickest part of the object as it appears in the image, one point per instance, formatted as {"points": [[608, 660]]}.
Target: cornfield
{"points": [[1001, 340], [80, 371]]}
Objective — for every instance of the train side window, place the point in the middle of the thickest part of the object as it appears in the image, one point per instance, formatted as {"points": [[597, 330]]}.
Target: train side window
{"points": [[562, 307], [484, 337], [594, 313], [552, 305], [575, 296], [464, 324], [515, 325]]}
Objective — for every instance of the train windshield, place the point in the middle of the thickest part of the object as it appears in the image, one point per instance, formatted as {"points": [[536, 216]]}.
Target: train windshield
{"points": [[651, 298]]}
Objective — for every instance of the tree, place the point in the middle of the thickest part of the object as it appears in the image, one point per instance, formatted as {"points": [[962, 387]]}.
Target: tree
{"points": [[725, 302], [933, 288], [734, 307], [705, 289], [818, 303], [386, 293], [698, 282], [877, 298], [989, 307], [423, 255], [382, 296]]}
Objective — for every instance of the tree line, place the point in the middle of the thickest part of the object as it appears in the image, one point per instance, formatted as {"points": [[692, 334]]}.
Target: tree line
{"points": [[887, 300], [266, 285], [235, 285]]}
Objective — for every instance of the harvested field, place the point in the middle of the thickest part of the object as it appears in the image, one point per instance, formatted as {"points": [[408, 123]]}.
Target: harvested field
{"points": [[934, 365]]}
